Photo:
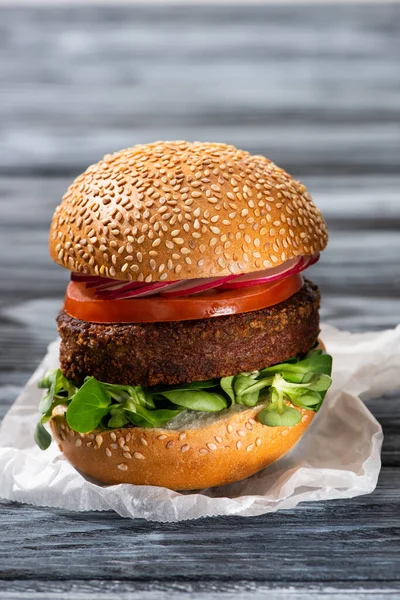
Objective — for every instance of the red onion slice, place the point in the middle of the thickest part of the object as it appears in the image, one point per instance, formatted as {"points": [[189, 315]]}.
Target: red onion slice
{"points": [[195, 286], [114, 289], [148, 289], [290, 267], [114, 284], [258, 277]]}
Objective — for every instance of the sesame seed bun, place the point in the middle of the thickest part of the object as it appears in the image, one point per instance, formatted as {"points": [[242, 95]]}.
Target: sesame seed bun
{"points": [[226, 449], [181, 210]]}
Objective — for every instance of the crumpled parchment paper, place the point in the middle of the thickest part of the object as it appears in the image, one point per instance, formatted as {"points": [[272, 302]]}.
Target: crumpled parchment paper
{"points": [[338, 457]]}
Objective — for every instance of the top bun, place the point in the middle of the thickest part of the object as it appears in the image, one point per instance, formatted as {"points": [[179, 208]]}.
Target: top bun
{"points": [[180, 210]]}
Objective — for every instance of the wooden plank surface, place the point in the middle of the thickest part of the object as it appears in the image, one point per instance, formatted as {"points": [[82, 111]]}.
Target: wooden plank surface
{"points": [[317, 89]]}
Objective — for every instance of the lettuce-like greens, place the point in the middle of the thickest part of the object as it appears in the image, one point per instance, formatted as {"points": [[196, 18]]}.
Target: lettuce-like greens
{"points": [[98, 405]]}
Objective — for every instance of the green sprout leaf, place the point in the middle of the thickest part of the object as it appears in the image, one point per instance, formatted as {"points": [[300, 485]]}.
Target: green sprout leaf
{"points": [[242, 383], [226, 384], [306, 399], [197, 400], [119, 418], [151, 418], [308, 395], [247, 389], [57, 385], [274, 418], [103, 405], [271, 418], [121, 393], [317, 383], [88, 406], [47, 400], [290, 417], [41, 436], [296, 372]]}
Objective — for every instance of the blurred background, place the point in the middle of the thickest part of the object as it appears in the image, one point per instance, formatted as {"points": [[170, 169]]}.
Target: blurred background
{"points": [[315, 87]]}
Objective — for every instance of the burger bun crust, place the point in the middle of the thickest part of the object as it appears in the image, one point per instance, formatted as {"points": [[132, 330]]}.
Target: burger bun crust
{"points": [[179, 210], [228, 449]]}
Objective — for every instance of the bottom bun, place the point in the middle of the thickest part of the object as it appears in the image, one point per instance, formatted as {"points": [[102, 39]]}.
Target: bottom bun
{"points": [[229, 449]]}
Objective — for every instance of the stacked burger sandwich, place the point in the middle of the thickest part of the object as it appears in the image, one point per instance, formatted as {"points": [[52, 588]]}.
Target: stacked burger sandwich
{"points": [[189, 349]]}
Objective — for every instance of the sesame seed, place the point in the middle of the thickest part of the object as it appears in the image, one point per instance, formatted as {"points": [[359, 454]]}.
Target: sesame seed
{"points": [[138, 455], [161, 437], [203, 451], [250, 447], [108, 452], [169, 444], [122, 467], [238, 444], [229, 428], [185, 448], [211, 446], [127, 455], [78, 443], [241, 432]]}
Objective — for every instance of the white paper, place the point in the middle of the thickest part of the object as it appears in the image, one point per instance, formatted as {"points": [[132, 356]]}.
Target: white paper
{"points": [[338, 457]]}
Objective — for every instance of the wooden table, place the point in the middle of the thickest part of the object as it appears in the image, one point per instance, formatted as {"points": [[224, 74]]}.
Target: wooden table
{"points": [[318, 90]]}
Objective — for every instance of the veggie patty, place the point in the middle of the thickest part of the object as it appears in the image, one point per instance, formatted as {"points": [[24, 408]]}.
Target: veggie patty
{"points": [[178, 352]]}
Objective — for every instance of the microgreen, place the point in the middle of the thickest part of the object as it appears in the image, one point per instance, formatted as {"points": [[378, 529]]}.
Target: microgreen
{"points": [[142, 417], [88, 406], [197, 400], [41, 436], [226, 384], [98, 405]]}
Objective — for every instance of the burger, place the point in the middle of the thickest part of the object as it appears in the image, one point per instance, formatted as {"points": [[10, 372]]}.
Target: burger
{"points": [[189, 353]]}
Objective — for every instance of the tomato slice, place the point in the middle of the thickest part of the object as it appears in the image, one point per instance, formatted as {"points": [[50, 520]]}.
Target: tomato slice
{"points": [[82, 304]]}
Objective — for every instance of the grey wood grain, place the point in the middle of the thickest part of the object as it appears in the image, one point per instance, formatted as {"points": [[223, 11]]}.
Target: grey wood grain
{"points": [[315, 88], [199, 590], [219, 550]]}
